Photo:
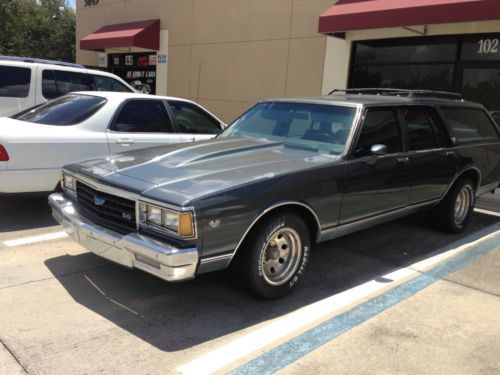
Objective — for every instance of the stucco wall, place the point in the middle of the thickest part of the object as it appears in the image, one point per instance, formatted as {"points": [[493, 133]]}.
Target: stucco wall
{"points": [[227, 54]]}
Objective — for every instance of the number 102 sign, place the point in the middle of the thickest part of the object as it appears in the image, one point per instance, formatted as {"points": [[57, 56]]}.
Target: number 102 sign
{"points": [[488, 46]]}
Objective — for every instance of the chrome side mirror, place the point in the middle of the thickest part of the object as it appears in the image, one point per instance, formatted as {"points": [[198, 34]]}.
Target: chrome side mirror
{"points": [[379, 150]]}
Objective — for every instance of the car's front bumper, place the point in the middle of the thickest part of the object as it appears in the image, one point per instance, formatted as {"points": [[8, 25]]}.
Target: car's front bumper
{"points": [[132, 250]]}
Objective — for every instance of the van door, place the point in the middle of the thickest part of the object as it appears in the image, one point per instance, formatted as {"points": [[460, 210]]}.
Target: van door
{"points": [[17, 88]]}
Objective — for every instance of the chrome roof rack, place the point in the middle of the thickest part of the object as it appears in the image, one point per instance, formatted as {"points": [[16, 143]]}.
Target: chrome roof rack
{"points": [[401, 92], [40, 61]]}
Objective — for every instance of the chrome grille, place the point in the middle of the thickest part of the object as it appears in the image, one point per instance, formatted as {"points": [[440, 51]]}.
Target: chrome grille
{"points": [[109, 210]]}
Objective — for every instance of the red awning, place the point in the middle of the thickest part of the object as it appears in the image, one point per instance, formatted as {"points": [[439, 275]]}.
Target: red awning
{"points": [[347, 15], [144, 34]]}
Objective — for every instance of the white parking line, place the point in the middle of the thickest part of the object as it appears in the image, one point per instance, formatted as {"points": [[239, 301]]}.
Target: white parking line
{"points": [[280, 328], [35, 239]]}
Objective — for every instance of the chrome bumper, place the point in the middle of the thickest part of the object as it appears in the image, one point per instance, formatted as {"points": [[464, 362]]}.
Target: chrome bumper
{"points": [[132, 250]]}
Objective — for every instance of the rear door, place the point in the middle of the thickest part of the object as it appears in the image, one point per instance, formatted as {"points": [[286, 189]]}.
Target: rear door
{"points": [[376, 184], [193, 122], [17, 89], [434, 160], [141, 123]]}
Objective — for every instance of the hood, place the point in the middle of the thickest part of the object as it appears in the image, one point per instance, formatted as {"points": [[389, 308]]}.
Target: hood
{"points": [[181, 173]]}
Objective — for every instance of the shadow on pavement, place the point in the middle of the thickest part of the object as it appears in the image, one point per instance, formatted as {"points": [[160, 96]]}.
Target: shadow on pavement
{"points": [[25, 211], [173, 317]]}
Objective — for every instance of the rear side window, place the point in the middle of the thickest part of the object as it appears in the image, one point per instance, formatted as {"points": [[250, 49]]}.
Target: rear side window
{"points": [[103, 83], [192, 119], [56, 83], [14, 82], [469, 124], [142, 116], [66, 110], [379, 127], [423, 130]]}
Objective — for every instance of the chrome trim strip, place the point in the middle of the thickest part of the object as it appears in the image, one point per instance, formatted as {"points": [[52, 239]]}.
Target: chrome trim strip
{"points": [[270, 208], [342, 230], [216, 258]]}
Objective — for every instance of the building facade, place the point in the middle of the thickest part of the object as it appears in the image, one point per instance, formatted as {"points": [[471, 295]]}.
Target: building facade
{"points": [[228, 54]]}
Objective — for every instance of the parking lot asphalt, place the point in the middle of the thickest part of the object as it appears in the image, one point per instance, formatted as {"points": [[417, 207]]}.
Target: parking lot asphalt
{"points": [[396, 298]]}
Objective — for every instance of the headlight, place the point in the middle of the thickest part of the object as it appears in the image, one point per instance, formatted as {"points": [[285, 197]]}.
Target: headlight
{"points": [[69, 182], [179, 222]]}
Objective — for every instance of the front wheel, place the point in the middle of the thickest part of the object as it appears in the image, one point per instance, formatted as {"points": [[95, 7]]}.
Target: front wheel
{"points": [[453, 213], [274, 257]]}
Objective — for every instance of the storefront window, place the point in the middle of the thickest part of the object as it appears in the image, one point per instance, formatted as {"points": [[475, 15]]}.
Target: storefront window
{"points": [[468, 64], [394, 51], [429, 77]]}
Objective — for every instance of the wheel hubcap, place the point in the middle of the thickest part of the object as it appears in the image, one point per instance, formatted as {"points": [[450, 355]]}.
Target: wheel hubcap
{"points": [[281, 256], [462, 205]]}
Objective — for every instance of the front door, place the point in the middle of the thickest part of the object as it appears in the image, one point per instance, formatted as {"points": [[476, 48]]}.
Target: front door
{"points": [[375, 184]]}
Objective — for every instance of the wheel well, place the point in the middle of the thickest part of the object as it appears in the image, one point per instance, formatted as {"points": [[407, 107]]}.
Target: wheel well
{"points": [[472, 174], [301, 211]]}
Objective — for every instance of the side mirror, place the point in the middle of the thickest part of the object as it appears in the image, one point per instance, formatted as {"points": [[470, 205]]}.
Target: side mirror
{"points": [[379, 150]]}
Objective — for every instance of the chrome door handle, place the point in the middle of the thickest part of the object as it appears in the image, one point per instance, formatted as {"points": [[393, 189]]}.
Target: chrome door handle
{"points": [[125, 142], [403, 160], [449, 153]]}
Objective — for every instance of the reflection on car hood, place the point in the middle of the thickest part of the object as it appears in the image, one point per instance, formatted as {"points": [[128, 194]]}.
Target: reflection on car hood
{"points": [[178, 174]]}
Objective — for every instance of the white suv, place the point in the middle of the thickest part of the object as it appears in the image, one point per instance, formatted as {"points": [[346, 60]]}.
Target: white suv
{"points": [[26, 82]]}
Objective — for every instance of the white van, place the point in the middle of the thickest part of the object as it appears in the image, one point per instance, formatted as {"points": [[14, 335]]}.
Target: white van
{"points": [[25, 82]]}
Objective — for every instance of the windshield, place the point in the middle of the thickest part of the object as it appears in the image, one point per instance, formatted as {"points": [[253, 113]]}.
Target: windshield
{"points": [[66, 110], [320, 128]]}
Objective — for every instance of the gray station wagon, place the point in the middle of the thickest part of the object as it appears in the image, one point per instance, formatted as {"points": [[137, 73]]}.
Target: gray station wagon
{"points": [[287, 174]]}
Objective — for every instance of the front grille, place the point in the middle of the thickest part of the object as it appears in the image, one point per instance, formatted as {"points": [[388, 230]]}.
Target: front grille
{"points": [[107, 209]]}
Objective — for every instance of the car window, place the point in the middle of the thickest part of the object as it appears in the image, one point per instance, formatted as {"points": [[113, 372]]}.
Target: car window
{"points": [[142, 116], [66, 110], [192, 119], [380, 127], [424, 130], [104, 83], [59, 82], [315, 127], [14, 81], [470, 124]]}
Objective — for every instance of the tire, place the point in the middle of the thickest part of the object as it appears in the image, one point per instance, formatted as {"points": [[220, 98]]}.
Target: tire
{"points": [[453, 213], [273, 258]]}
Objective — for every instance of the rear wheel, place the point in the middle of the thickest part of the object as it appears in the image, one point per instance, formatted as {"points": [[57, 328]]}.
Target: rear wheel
{"points": [[453, 213], [274, 257]]}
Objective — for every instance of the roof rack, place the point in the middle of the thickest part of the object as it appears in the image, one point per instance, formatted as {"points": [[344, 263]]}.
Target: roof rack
{"points": [[401, 92], [40, 61]]}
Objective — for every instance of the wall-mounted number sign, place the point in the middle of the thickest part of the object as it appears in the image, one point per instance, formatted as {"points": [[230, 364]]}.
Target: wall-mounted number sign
{"points": [[89, 3], [488, 45]]}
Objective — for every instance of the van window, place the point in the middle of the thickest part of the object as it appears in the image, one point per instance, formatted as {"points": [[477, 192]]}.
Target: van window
{"points": [[56, 83], [104, 83], [67, 110], [470, 124], [423, 129], [14, 81], [380, 127]]}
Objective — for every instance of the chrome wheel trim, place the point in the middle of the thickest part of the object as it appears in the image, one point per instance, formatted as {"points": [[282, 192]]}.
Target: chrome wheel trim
{"points": [[462, 204], [281, 256]]}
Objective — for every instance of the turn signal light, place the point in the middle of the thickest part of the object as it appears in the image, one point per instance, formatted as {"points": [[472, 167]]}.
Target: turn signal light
{"points": [[4, 156]]}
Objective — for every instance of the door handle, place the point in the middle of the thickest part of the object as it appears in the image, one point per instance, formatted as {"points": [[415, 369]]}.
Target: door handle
{"points": [[125, 142], [403, 160], [449, 153]]}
